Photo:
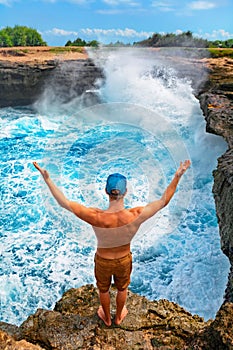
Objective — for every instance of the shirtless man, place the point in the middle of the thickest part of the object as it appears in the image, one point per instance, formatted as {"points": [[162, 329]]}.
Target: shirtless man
{"points": [[114, 228]]}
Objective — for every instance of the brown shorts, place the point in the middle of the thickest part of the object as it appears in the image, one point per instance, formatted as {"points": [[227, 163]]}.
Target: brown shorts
{"points": [[120, 269]]}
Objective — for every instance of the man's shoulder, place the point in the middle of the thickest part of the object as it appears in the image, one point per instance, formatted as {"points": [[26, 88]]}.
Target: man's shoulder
{"points": [[136, 210]]}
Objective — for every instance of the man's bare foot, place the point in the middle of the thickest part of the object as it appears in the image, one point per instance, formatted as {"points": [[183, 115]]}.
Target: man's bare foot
{"points": [[123, 314], [101, 315]]}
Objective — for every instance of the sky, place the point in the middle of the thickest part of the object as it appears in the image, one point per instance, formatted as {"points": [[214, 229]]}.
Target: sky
{"points": [[125, 20]]}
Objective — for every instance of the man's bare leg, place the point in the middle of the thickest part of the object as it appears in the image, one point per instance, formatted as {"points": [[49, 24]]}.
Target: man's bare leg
{"points": [[121, 310], [104, 310]]}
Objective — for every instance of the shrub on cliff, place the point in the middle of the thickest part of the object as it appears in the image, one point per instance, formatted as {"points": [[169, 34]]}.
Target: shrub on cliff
{"points": [[185, 39], [81, 42], [20, 36]]}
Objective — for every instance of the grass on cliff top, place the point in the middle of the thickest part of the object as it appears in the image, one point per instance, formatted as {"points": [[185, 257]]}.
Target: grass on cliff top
{"points": [[61, 49], [218, 52]]}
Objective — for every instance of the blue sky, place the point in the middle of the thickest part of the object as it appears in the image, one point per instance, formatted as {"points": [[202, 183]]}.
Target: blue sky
{"points": [[124, 20]]}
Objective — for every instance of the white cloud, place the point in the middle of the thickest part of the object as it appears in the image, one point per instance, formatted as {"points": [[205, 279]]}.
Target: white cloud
{"points": [[219, 34], [110, 12], [101, 34], [6, 2], [61, 32], [202, 5], [121, 2], [124, 33], [78, 2], [178, 31], [163, 6]]}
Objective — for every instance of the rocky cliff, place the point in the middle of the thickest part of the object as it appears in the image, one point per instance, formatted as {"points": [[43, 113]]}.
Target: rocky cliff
{"points": [[216, 101], [22, 84]]}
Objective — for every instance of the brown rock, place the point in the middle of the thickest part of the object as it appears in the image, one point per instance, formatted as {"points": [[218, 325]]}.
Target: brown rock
{"points": [[218, 110], [8, 343], [219, 335], [77, 326], [222, 327]]}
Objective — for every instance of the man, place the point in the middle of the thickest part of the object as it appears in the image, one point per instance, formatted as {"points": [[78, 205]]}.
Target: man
{"points": [[114, 229]]}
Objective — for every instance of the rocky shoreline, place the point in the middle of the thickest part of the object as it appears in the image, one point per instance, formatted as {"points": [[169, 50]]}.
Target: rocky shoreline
{"points": [[160, 324]]}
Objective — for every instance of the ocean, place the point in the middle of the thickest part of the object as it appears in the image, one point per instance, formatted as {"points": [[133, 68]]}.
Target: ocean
{"points": [[147, 122]]}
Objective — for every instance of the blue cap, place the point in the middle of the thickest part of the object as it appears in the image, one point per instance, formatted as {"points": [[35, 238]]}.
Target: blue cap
{"points": [[116, 182]]}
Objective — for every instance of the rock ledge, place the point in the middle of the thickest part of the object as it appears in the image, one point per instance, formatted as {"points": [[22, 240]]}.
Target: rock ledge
{"points": [[161, 324]]}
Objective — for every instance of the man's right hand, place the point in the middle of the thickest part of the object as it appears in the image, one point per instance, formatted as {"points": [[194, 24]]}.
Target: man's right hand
{"points": [[43, 172]]}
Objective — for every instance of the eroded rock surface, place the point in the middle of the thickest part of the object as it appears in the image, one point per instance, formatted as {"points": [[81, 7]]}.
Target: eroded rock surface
{"points": [[7, 342]]}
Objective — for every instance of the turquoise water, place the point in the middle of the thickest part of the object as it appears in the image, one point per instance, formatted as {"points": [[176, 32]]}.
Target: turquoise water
{"points": [[149, 120]]}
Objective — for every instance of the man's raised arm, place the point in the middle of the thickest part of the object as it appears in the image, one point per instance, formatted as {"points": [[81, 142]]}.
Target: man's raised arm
{"points": [[57, 194], [90, 215], [152, 208]]}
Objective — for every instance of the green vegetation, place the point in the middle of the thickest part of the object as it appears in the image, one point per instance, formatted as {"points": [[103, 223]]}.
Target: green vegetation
{"points": [[219, 52], [20, 36], [60, 49], [81, 42]]}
